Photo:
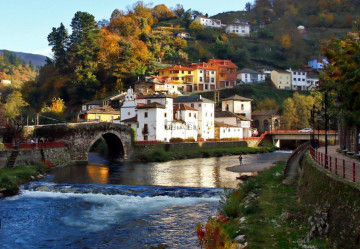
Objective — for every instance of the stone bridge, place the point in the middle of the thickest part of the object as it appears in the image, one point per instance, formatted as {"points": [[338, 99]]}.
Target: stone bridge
{"points": [[79, 137]]}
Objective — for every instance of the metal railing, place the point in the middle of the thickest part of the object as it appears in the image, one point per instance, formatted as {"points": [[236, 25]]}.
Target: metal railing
{"points": [[344, 168]]}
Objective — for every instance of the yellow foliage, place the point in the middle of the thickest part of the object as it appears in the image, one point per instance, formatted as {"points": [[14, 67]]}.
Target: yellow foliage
{"points": [[285, 41], [57, 105]]}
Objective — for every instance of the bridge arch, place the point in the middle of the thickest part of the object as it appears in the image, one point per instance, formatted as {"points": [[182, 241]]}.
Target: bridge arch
{"points": [[79, 137], [114, 144]]}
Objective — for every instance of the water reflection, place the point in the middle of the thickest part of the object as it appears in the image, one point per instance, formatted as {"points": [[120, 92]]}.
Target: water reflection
{"points": [[98, 173], [200, 172]]}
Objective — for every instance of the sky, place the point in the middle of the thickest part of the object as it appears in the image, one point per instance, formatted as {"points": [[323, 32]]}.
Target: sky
{"points": [[25, 24]]}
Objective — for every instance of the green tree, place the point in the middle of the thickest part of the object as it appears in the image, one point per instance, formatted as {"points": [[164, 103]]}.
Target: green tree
{"points": [[83, 47], [58, 40]]}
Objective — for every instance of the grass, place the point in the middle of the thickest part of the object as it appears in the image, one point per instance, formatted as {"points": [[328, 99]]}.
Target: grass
{"points": [[274, 218], [11, 178], [161, 155]]}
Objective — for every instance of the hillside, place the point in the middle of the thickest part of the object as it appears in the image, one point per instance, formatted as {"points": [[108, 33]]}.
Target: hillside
{"points": [[256, 92], [14, 68], [36, 59]]}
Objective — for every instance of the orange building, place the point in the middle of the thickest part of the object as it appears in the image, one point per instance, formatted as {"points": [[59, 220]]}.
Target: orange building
{"points": [[226, 72]]}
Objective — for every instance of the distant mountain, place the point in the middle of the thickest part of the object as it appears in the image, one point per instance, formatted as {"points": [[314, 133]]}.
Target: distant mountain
{"points": [[37, 59]]}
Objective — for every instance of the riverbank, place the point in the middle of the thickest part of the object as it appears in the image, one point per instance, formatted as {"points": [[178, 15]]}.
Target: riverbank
{"points": [[12, 178], [160, 155], [262, 213]]}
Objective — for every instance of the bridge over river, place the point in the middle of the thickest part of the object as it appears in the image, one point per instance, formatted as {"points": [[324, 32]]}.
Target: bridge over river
{"points": [[79, 137], [279, 135]]}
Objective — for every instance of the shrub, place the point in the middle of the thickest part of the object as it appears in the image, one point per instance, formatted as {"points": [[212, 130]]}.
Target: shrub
{"points": [[176, 140], [9, 184], [231, 204], [212, 234]]}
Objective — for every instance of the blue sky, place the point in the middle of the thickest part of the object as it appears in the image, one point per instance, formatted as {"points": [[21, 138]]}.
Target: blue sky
{"points": [[25, 24]]}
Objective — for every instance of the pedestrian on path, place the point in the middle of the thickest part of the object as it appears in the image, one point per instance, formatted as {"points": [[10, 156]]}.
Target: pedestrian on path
{"points": [[240, 160]]}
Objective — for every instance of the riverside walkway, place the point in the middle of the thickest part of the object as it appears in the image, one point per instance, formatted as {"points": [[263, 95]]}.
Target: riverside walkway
{"points": [[344, 166]]}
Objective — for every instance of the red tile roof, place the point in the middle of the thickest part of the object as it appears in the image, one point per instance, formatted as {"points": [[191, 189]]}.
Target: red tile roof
{"points": [[183, 107], [178, 67], [222, 63]]}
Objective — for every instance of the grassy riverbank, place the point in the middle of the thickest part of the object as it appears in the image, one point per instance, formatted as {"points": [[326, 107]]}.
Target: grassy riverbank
{"points": [[12, 178], [161, 155], [265, 211]]}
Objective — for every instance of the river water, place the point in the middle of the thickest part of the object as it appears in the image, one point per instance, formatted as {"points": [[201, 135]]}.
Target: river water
{"points": [[123, 205]]}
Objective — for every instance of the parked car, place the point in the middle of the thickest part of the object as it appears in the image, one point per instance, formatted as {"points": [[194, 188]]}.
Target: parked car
{"points": [[306, 130]]}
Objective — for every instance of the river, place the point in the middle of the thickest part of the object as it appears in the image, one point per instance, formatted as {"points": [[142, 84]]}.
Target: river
{"points": [[119, 205]]}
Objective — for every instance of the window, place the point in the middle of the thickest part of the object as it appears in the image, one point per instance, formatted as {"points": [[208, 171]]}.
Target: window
{"points": [[201, 79], [242, 106], [165, 114], [189, 72], [128, 113], [199, 105], [200, 71], [212, 80], [145, 114], [212, 72], [148, 101], [192, 105], [194, 115], [182, 72], [189, 115]]}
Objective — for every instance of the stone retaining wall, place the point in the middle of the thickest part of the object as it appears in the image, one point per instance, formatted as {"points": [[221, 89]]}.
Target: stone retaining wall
{"points": [[194, 146], [57, 156], [336, 199]]}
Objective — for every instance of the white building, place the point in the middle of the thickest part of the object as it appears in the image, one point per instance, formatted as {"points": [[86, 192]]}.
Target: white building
{"points": [[206, 114], [302, 80], [238, 105], [247, 75], [238, 27], [155, 117], [240, 122], [208, 22], [225, 131]]}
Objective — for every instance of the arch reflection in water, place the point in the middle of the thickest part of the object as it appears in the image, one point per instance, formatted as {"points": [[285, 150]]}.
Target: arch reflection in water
{"points": [[98, 173]]}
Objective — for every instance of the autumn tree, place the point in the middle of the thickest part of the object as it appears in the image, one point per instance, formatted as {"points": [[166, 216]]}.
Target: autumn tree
{"points": [[161, 12], [14, 105], [342, 79], [296, 111], [267, 104]]}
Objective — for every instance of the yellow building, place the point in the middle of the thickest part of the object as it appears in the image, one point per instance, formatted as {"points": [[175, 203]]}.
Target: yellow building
{"points": [[180, 75], [204, 77], [281, 79], [99, 114]]}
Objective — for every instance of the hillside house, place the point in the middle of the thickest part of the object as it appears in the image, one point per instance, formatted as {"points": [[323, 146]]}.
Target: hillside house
{"points": [[318, 63], [226, 73], [281, 79], [208, 22], [247, 76], [238, 27], [238, 105], [183, 35]]}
